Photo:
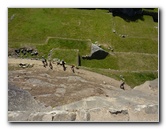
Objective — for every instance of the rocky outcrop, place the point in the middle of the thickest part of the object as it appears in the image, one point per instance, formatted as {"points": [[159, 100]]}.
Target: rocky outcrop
{"points": [[83, 96], [139, 113], [22, 100], [96, 53], [93, 109], [137, 105]]}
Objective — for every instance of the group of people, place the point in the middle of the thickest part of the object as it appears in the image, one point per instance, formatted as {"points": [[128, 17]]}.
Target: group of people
{"points": [[25, 51], [45, 64], [62, 63]]}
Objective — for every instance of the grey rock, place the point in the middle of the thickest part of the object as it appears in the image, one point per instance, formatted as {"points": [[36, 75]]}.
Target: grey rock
{"points": [[118, 112], [97, 52], [47, 117], [64, 116], [20, 100], [113, 30], [103, 114], [83, 115], [110, 103], [36, 116], [151, 109], [144, 113], [21, 104], [18, 116]]}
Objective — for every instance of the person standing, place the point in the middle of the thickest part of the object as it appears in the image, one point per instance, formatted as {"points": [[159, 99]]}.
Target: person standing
{"points": [[50, 65], [122, 85], [72, 68], [63, 65]]}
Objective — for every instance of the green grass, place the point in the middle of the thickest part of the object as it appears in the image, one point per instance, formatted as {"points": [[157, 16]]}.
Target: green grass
{"points": [[127, 62], [110, 62], [131, 78], [141, 28], [32, 26], [151, 10], [141, 45], [137, 62], [69, 56], [134, 79], [82, 45]]}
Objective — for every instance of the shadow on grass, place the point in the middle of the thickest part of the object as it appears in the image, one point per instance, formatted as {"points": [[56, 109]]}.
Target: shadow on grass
{"points": [[132, 15], [153, 14], [128, 18]]}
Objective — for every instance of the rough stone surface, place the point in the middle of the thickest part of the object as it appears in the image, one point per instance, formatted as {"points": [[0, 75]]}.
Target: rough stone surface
{"points": [[97, 52], [18, 115], [41, 94], [37, 116], [151, 109], [83, 115], [21, 100], [140, 113], [47, 117], [64, 116], [105, 115]]}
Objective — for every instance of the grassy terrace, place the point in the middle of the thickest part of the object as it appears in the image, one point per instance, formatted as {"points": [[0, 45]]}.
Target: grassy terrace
{"points": [[141, 45], [82, 45], [132, 78], [35, 25], [70, 56], [135, 56]]}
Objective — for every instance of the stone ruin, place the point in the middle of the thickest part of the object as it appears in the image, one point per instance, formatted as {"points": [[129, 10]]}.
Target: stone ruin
{"points": [[96, 53]]}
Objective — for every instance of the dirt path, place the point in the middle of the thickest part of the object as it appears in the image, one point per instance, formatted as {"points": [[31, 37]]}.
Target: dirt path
{"points": [[91, 76]]}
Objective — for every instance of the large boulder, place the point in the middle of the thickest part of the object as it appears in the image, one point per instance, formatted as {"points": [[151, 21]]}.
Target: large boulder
{"points": [[96, 53], [21, 100]]}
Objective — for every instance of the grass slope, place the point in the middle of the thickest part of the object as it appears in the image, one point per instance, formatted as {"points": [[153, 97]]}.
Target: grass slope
{"points": [[32, 26]]}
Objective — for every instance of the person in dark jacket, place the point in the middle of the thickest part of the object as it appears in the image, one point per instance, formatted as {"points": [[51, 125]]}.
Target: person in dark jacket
{"points": [[72, 68], [122, 85], [63, 65]]}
